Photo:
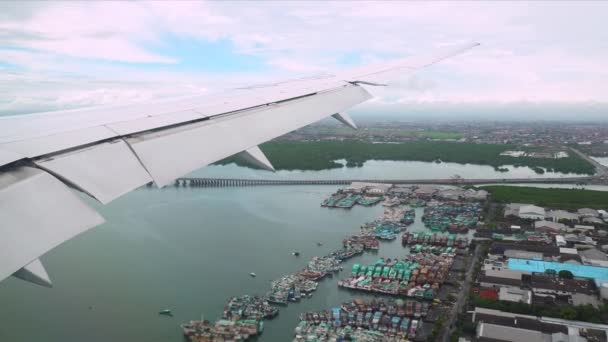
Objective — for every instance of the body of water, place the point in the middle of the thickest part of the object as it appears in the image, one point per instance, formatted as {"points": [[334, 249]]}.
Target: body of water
{"points": [[191, 249], [381, 169]]}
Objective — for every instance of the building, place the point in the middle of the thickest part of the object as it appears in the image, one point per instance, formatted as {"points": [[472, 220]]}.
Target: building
{"points": [[549, 227], [531, 212], [515, 295], [557, 215], [598, 274], [496, 326], [512, 209], [593, 220], [588, 212], [497, 249], [579, 240], [496, 283], [477, 195], [560, 242], [543, 285], [580, 228], [594, 257]]}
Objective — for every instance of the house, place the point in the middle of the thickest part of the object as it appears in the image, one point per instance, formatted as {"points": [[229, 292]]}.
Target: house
{"points": [[549, 227], [531, 212]]}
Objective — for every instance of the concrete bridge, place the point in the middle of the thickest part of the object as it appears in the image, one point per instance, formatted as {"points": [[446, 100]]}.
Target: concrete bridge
{"points": [[232, 182]]}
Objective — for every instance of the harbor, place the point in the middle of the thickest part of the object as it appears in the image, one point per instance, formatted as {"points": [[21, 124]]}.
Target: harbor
{"points": [[417, 275], [364, 320], [416, 271], [206, 228]]}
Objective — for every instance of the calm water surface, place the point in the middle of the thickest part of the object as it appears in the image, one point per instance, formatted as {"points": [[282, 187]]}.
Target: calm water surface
{"points": [[191, 249]]}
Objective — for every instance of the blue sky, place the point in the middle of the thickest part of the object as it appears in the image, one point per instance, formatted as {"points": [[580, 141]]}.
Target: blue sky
{"points": [[69, 54]]}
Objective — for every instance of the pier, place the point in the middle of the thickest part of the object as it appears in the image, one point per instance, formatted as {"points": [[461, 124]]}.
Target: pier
{"points": [[234, 182]]}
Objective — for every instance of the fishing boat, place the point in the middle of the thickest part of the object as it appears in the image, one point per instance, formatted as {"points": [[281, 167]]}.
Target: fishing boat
{"points": [[413, 328], [166, 312], [252, 274], [404, 325]]}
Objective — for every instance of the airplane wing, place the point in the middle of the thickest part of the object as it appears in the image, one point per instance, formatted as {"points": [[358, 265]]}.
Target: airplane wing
{"points": [[106, 152]]}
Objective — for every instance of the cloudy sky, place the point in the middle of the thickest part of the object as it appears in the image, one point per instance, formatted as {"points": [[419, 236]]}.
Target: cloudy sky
{"points": [[61, 55]]}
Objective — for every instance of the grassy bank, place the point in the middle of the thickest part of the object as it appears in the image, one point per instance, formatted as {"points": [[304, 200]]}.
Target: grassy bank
{"points": [[320, 155], [550, 197]]}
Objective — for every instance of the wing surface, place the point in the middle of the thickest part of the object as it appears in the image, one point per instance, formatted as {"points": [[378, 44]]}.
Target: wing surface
{"points": [[108, 151]]}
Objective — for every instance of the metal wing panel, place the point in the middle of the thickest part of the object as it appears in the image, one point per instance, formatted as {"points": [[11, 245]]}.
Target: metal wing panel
{"points": [[7, 157], [38, 213], [152, 122], [31, 148], [174, 152], [105, 171], [33, 126]]}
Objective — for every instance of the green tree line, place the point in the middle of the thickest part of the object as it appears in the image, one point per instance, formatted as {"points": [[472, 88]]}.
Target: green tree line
{"points": [[550, 197], [320, 155]]}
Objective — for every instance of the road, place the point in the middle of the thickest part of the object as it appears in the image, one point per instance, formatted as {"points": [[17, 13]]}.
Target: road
{"points": [[464, 291], [601, 170]]}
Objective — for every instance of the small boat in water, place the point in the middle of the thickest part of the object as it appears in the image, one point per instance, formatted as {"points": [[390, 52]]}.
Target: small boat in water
{"points": [[296, 253], [252, 274], [166, 312], [319, 243]]}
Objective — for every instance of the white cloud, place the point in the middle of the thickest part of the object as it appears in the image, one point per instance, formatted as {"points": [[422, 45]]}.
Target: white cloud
{"points": [[536, 51]]}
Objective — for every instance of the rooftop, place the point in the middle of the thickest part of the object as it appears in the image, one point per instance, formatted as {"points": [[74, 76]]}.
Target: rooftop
{"points": [[599, 274]]}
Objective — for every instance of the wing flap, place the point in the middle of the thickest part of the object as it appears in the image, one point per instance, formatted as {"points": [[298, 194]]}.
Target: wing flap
{"points": [[104, 171], [38, 213], [170, 153]]}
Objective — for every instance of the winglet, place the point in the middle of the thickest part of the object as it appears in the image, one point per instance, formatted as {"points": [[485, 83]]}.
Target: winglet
{"points": [[35, 273], [376, 74], [345, 119], [255, 156]]}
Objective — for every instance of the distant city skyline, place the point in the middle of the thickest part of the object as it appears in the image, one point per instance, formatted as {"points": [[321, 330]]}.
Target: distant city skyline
{"points": [[56, 55]]}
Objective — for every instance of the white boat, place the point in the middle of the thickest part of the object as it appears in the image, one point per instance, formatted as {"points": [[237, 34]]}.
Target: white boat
{"points": [[252, 274]]}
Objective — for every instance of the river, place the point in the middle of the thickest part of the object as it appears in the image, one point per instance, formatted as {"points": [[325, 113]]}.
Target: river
{"points": [[191, 249]]}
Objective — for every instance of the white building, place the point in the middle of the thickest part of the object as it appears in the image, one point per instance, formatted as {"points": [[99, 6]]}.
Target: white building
{"points": [[531, 212], [515, 295], [556, 215], [549, 226]]}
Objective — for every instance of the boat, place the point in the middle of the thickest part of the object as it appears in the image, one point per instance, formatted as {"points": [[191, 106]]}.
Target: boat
{"points": [[404, 325], [413, 328], [319, 243], [252, 274], [166, 312], [296, 253]]}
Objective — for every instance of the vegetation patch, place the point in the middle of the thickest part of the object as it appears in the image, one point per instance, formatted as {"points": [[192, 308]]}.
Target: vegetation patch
{"points": [[320, 155], [549, 197]]}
